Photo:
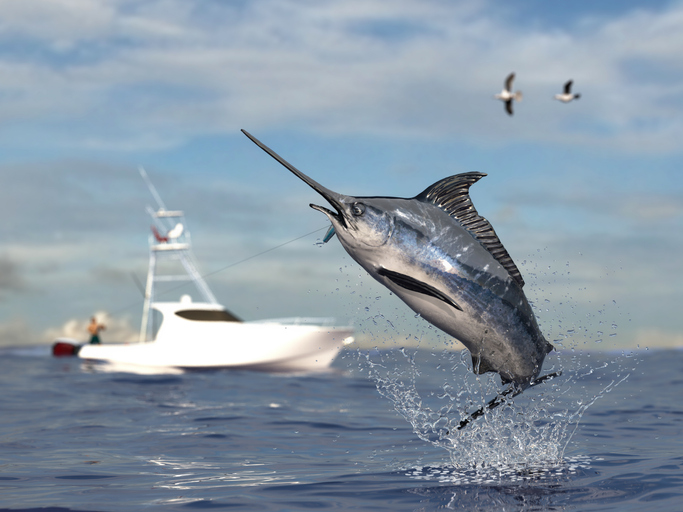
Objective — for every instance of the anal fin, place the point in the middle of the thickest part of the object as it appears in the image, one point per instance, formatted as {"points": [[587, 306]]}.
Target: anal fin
{"points": [[481, 365]]}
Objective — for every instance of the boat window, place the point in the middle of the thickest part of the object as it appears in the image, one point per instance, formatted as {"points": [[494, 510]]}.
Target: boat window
{"points": [[203, 315]]}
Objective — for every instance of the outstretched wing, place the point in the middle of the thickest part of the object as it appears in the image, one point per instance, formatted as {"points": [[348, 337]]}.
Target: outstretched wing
{"points": [[568, 87], [508, 81]]}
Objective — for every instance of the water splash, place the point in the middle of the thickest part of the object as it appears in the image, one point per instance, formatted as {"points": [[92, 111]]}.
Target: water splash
{"points": [[532, 430]]}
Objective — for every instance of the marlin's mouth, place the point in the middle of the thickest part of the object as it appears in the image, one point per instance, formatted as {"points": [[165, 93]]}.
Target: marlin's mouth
{"points": [[338, 215]]}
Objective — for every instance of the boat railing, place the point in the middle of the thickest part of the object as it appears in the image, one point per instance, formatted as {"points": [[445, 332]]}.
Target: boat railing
{"points": [[298, 320]]}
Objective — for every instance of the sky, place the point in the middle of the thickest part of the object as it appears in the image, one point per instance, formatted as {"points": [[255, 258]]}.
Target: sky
{"points": [[368, 97]]}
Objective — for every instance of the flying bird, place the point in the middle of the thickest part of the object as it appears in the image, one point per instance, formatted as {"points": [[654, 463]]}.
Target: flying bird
{"points": [[507, 95], [445, 261], [567, 95]]}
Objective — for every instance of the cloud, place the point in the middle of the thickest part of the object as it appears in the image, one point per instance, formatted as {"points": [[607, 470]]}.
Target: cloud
{"points": [[162, 72]]}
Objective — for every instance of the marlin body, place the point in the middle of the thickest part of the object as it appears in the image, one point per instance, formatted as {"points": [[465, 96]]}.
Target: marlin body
{"points": [[447, 264]]}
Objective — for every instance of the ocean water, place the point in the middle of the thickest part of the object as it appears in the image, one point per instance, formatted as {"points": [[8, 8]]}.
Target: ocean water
{"points": [[377, 433]]}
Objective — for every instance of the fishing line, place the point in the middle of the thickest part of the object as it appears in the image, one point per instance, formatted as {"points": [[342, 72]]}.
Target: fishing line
{"points": [[261, 253], [220, 269]]}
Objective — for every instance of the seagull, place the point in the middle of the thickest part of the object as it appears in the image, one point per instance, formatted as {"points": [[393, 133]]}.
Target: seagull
{"points": [[567, 95], [507, 95]]}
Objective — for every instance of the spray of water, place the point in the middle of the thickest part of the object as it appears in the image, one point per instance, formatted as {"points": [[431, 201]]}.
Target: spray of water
{"points": [[527, 434]]}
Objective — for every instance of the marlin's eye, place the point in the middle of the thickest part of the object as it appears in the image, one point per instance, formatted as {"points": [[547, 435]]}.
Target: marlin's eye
{"points": [[358, 209]]}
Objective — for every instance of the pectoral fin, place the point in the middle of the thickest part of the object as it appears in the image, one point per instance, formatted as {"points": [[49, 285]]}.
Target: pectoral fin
{"points": [[412, 284]]}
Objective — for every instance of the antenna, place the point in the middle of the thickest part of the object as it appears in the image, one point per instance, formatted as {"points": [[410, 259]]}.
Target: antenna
{"points": [[151, 188]]}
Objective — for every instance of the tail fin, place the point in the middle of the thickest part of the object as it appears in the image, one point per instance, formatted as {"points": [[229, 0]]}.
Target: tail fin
{"points": [[577, 96], [518, 96]]}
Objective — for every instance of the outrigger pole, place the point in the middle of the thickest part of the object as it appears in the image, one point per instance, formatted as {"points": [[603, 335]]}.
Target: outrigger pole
{"points": [[152, 188]]}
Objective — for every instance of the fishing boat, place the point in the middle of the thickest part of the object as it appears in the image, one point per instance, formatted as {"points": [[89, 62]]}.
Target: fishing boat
{"points": [[203, 334]]}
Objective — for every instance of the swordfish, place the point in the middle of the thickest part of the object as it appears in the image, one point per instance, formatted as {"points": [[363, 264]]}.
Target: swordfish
{"points": [[445, 261]]}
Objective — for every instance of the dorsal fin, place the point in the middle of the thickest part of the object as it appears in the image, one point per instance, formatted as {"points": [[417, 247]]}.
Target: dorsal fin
{"points": [[452, 195]]}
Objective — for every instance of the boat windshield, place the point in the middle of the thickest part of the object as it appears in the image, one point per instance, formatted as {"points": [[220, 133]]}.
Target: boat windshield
{"points": [[206, 315]]}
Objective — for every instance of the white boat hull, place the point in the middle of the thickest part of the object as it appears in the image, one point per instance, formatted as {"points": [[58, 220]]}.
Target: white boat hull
{"points": [[272, 348], [182, 343]]}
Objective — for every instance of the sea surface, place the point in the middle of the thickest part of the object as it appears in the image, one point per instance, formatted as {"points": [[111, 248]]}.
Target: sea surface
{"points": [[377, 433]]}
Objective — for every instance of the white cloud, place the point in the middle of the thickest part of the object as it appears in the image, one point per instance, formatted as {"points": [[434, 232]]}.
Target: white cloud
{"points": [[64, 24], [173, 70], [55, 20]]}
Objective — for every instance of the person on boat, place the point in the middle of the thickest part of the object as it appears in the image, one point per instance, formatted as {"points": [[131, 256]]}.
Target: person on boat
{"points": [[94, 329]]}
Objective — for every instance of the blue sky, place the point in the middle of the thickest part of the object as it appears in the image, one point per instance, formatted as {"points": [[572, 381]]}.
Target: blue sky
{"points": [[367, 97]]}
